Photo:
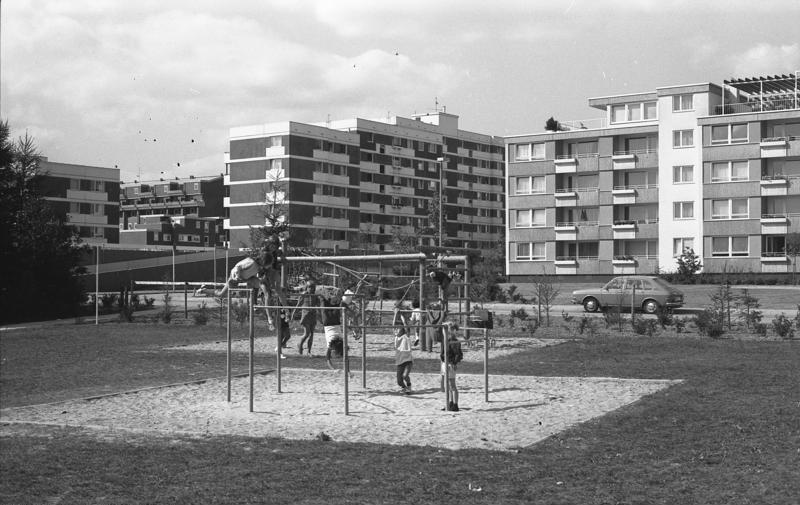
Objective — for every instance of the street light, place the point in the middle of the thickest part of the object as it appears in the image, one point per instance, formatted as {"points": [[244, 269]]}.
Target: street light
{"points": [[441, 202]]}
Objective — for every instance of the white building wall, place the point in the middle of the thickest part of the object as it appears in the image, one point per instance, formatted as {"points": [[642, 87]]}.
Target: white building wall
{"points": [[668, 192]]}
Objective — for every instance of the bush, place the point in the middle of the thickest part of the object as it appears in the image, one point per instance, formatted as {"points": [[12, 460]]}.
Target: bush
{"points": [[680, 324], [166, 313], [643, 326], [587, 324], [126, 313], [709, 323], [613, 317], [149, 302], [201, 315], [760, 329], [108, 300], [664, 317], [783, 327]]}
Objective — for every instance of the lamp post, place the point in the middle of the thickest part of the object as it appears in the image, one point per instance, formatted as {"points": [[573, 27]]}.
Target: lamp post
{"points": [[441, 201]]}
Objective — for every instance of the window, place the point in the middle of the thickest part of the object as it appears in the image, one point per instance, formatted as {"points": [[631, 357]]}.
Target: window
{"points": [[683, 138], [731, 208], [650, 110], [729, 246], [527, 152], [682, 102], [529, 185], [730, 171], [276, 141], [683, 210], [682, 174], [633, 112], [729, 134], [681, 245], [530, 251], [523, 186], [528, 218]]}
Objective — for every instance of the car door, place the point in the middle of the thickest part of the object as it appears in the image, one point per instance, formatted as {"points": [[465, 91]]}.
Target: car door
{"points": [[612, 292], [635, 288]]}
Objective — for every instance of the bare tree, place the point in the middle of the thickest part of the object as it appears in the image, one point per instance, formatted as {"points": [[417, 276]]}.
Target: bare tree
{"points": [[545, 293]]}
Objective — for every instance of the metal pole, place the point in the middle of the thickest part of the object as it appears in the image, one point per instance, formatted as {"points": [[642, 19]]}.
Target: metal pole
{"points": [[186, 300], [363, 345], [279, 346], [345, 367], [228, 335], [486, 365], [423, 345], [173, 268], [215, 265], [445, 349], [252, 299], [97, 286], [466, 294]]}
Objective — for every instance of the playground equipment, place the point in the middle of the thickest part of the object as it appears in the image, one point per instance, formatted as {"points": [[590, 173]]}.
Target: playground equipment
{"points": [[422, 262]]}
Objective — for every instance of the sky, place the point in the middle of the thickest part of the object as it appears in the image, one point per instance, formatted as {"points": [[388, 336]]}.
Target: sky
{"points": [[154, 86]]}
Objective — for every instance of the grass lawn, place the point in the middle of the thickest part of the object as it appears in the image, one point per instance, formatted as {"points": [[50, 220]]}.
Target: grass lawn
{"points": [[728, 434]]}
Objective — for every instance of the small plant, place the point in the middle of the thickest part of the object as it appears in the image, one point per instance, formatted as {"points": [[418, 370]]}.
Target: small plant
{"points": [[688, 265], [709, 323], [721, 301], [643, 326], [587, 324], [747, 307], [532, 326], [664, 317], [519, 314], [108, 300], [201, 316], [240, 309], [166, 313], [149, 302], [760, 329], [126, 313], [680, 324], [135, 302], [782, 326], [613, 317]]}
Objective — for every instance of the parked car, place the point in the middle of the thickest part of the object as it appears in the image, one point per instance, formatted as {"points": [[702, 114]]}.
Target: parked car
{"points": [[648, 292]]}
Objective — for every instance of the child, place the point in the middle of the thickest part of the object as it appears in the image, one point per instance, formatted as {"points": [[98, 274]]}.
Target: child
{"points": [[308, 316], [454, 357], [433, 334], [417, 319], [443, 281], [402, 346], [284, 334]]}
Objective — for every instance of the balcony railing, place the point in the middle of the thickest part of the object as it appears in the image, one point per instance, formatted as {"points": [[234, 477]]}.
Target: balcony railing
{"points": [[758, 106], [636, 186], [648, 150], [773, 254], [578, 155], [577, 190], [564, 224], [575, 258], [780, 139], [652, 220]]}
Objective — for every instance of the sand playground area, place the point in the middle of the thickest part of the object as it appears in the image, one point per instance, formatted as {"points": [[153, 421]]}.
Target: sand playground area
{"points": [[522, 410]]}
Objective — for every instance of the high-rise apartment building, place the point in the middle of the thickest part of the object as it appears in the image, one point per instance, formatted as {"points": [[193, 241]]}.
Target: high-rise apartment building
{"points": [[714, 168], [368, 185], [88, 196]]}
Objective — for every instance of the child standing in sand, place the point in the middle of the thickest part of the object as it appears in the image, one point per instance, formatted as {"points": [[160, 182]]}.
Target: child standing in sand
{"points": [[308, 315], [402, 346], [454, 357]]}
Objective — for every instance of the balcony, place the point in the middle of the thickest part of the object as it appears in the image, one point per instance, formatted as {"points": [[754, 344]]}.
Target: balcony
{"points": [[767, 104], [566, 164]]}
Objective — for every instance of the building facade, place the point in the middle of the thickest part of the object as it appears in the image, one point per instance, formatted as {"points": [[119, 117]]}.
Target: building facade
{"points": [[149, 210], [88, 196], [368, 185], [712, 168]]}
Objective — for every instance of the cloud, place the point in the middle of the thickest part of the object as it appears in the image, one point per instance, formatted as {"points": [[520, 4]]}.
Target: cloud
{"points": [[766, 59]]}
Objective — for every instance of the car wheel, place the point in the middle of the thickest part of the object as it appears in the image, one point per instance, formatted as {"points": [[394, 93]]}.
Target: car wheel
{"points": [[590, 304], [650, 306]]}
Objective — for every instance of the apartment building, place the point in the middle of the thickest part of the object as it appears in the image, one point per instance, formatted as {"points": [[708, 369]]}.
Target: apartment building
{"points": [[186, 212], [714, 168], [368, 185], [88, 196]]}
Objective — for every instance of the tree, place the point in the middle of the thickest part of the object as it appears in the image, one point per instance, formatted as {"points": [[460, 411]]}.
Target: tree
{"points": [[688, 265], [793, 251], [487, 274], [40, 252]]}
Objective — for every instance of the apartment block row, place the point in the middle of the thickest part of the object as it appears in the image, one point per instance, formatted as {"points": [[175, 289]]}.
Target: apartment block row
{"points": [[368, 185], [711, 168]]}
